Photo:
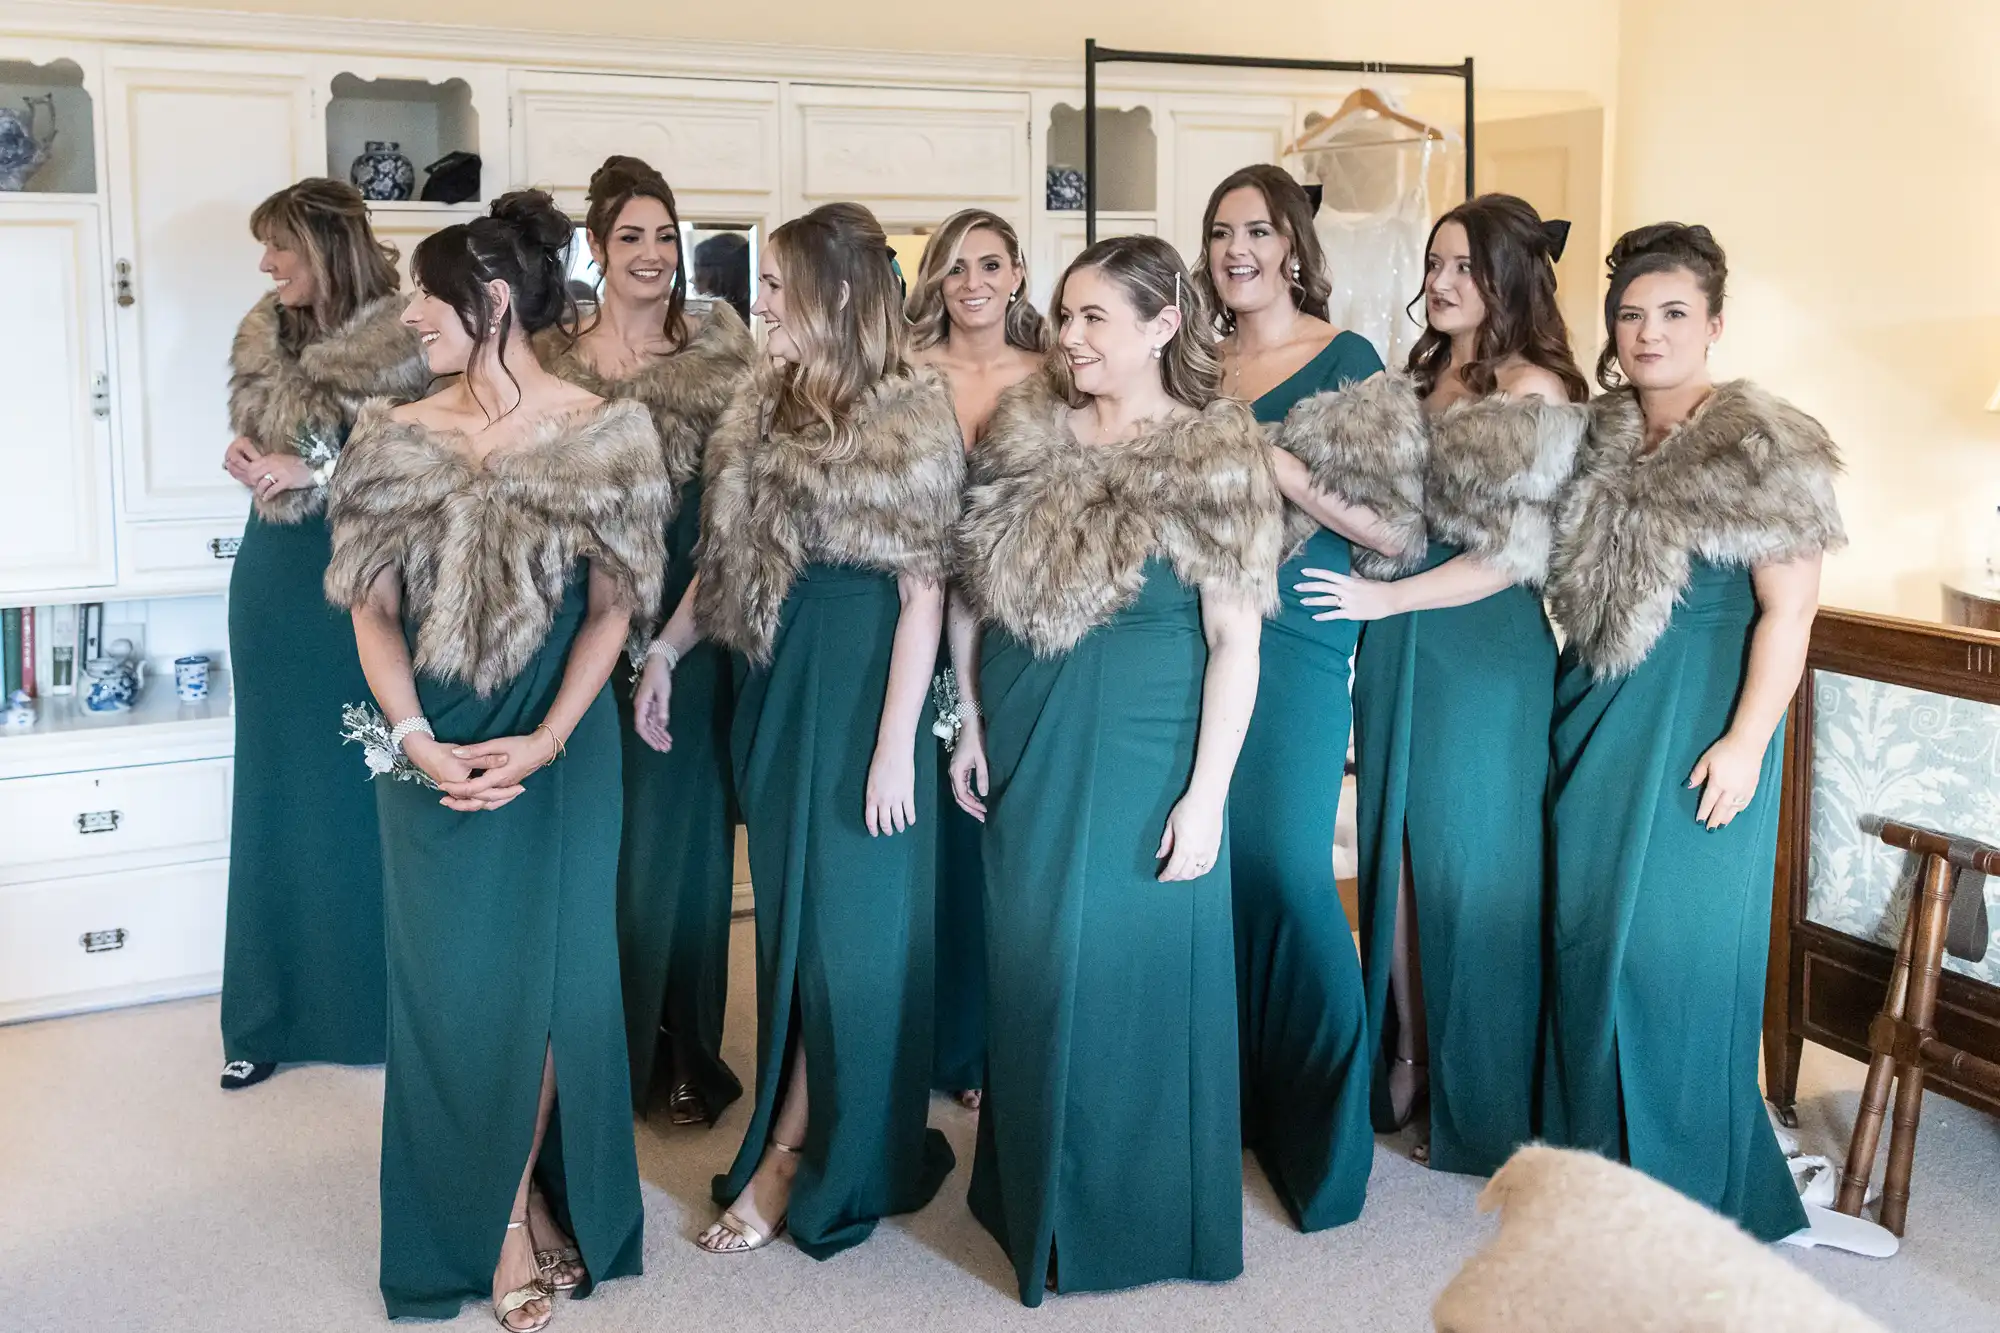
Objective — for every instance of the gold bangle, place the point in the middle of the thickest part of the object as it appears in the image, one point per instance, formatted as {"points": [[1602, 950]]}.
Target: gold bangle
{"points": [[561, 749]]}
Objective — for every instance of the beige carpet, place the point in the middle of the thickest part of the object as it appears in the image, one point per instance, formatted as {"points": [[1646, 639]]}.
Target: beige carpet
{"points": [[135, 1196]]}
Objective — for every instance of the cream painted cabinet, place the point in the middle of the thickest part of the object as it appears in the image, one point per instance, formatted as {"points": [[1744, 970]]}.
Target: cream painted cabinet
{"points": [[196, 140], [913, 155], [55, 453], [1206, 138]]}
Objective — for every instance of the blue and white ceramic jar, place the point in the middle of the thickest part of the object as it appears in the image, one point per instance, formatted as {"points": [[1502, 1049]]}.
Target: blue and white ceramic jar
{"points": [[383, 173], [1065, 190]]}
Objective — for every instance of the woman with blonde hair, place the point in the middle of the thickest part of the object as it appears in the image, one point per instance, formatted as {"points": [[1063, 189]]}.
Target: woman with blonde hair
{"points": [[676, 868], [1120, 543], [830, 487], [302, 959], [971, 318]]}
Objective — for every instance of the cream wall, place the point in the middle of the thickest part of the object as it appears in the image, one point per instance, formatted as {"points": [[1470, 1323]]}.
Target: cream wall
{"points": [[1528, 44], [1848, 157]]}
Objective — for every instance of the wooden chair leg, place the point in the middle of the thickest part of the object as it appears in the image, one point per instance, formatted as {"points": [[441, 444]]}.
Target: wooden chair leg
{"points": [[1881, 1069], [1934, 909]]}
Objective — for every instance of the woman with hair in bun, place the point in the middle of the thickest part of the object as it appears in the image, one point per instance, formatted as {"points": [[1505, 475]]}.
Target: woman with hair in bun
{"points": [[1120, 542], [1686, 579], [1461, 459], [1303, 1029], [829, 491], [497, 542], [676, 866], [970, 317], [302, 956]]}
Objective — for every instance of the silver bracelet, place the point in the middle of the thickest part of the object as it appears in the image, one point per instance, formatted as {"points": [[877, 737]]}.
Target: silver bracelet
{"points": [[407, 728], [666, 652]]}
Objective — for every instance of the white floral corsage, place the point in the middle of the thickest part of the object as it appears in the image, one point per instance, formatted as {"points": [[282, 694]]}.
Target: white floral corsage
{"points": [[362, 725], [320, 449], [952, 708]]}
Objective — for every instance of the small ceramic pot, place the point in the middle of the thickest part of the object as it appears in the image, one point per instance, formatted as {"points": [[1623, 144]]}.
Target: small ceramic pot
{"points": [[191, 678]]}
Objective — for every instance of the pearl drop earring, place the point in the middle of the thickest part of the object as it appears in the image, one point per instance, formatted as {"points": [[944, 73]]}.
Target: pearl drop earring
{"points": [[1158, 353]]}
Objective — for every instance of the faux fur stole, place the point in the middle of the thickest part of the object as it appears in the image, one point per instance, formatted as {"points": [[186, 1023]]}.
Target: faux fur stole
{"points": [[774, 502], [485, 550], [280, 400], [685, 392], [1055, 534], [1746, 480], [1367, 443], [1496, 472]]}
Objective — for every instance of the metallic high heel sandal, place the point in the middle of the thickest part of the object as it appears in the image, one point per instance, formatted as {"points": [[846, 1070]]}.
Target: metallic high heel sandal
{"points": [[685, 1105], [562, 1267], [731, 1224], [513, 1301], [1419, 1094]]}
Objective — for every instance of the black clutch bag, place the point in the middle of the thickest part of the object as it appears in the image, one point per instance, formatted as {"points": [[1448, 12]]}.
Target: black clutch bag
{"points": [[453, 179]]}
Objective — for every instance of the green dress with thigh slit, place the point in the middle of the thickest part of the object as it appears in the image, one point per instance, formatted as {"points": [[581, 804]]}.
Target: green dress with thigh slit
{"points": [[676, 861], [302, 953], [501, 925], [1298, 979], [1661, 926], [1110, 1149], [804, 538]]}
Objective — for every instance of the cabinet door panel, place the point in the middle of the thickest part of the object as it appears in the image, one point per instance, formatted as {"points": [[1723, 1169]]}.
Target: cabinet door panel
{"points": [[193, 150], [55, 453]]}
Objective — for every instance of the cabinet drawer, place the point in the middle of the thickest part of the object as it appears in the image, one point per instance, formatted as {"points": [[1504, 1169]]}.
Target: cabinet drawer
{"points": [[191, 554], [111, 939], [77, 823]]}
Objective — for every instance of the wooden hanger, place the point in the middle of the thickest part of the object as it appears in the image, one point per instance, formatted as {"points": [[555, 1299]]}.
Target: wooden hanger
{"points": [[1361, 99]]}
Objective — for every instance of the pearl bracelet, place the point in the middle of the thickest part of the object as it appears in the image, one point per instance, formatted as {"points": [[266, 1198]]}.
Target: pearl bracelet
{"points": [[666, 652], [407, 728]]}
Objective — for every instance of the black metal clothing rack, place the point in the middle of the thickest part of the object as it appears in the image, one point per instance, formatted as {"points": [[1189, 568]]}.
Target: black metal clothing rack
{"points": [[1095, 55]]}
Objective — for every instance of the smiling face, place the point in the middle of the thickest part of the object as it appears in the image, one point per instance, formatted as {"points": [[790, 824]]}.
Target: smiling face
{"points": [[641, 254], [447, 343], [1249, 261], [770, 307], [1452, 302], [290, 273], [1108, 345], [1664, 330], [981, 281]]}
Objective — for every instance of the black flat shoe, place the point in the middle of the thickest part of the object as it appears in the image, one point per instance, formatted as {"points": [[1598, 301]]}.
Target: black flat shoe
{"points": [[240, 1074]]}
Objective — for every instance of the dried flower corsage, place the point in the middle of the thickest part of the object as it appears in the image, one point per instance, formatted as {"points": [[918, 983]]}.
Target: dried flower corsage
{"points": [[362, 725], [952, 708]]}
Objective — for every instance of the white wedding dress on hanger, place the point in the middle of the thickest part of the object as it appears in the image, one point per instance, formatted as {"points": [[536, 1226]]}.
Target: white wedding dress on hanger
{"points": [[1373, 223]]}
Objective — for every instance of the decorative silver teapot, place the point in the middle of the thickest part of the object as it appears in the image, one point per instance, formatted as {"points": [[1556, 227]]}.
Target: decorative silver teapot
{"points": [[22, 151]]}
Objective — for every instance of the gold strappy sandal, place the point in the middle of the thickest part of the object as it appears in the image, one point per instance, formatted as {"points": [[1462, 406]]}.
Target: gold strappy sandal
{"points": [[752, 1238], [512, 1302]]}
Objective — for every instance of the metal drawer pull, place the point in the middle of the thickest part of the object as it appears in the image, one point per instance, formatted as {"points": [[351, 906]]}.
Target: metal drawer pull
{"points": [[123, 286], [99, 821], [224, 548], [102, 941]]}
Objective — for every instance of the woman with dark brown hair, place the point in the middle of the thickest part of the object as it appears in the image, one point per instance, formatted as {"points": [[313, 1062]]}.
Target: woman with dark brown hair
{"points": [[302, 959], [971, 318], [829, 491], [1304, 1050], [677, 862], [1462, 458]]}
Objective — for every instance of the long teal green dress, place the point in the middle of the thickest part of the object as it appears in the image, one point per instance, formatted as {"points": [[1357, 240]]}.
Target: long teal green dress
{"points": [[1660, 926], [1302, 1022], [844, 934], [501, 925], [804, 541], [302, 969], [1649, 904], [958, 1052], [677, 861], [1109, 1143], [677, 864], [302, 964], [1110, 1148], [1451, 732]]}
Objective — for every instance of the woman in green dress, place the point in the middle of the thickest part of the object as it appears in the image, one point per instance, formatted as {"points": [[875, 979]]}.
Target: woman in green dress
{"points": [[676, 865], [302, 956], [1686, 579], [1454, 676], [971, 318], [829, 492], [1121, 539], [1298, 981], [497, 542]]}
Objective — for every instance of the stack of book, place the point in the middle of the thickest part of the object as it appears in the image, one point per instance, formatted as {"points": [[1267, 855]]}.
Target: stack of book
{"points": [[43, 649]]}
